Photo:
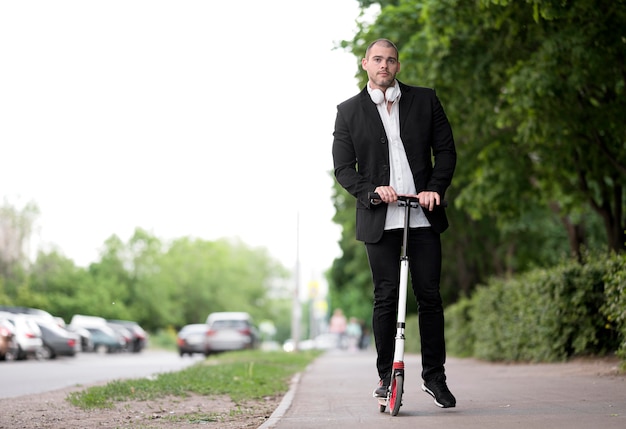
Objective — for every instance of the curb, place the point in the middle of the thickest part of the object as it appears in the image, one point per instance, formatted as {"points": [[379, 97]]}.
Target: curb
{"points": [[284, 405]]}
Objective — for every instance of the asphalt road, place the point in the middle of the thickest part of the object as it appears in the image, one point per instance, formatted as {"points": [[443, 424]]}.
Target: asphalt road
{"points": [[31, 376], [335, 392]]}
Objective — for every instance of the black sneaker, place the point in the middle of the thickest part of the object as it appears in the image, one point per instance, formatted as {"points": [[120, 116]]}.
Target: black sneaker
{"points": [[438, 389], [381, 389]]}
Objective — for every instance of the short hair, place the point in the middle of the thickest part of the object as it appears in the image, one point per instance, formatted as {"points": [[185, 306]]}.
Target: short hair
{"points": [[385, 42]]}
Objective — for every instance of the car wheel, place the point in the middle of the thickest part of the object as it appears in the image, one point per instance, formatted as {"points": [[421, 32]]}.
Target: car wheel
{"points": [[44, 353], [20, 355]]}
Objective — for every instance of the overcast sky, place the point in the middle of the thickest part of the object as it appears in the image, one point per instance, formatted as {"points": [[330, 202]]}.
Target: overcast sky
{"points": [[185, 118]]}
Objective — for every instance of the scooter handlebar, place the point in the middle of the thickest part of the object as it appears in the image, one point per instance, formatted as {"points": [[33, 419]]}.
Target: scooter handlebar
{"points": [[373, 196]]}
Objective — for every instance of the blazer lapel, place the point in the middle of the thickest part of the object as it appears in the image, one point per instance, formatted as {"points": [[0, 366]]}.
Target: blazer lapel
{"points": [[371, 117], [406, 99], [368, 106]]}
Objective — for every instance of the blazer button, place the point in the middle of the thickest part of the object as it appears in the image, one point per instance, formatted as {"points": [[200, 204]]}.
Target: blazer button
{"points": [[383, 140]]}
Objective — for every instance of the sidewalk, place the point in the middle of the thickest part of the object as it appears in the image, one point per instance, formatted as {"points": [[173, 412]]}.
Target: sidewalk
{"points": [[335, 392]]}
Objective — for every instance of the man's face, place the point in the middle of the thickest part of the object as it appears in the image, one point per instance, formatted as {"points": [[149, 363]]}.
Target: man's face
{"points": [[381, 66]]}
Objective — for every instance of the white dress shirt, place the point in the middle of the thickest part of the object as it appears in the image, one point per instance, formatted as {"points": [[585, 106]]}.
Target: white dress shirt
{"points": [[401, 178]]}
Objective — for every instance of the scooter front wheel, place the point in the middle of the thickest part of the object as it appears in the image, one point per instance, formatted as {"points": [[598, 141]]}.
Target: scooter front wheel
{"points": [[395, 397]]}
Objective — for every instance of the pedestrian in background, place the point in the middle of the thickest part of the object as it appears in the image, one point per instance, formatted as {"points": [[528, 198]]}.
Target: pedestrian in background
{"points": [[337, 326]]}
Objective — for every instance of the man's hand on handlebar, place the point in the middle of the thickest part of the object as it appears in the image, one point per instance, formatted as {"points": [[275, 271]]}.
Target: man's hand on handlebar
{"points": [[387, 195], [429, 199]]}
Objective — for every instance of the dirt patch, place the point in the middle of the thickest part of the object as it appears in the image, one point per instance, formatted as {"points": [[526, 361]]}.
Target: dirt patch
{"points": [[52, 410]]}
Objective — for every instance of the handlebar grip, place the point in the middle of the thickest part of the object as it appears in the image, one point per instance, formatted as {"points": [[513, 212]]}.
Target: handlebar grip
{"points": [[373, 196]]}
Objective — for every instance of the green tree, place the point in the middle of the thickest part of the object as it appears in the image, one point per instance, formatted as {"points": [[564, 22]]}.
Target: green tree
{"points": [[16, 226], [222, 275], [565, 99], [58, 286]]}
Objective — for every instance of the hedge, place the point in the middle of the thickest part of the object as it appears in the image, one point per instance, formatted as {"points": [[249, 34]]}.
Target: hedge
{"points": [[544, 315]]}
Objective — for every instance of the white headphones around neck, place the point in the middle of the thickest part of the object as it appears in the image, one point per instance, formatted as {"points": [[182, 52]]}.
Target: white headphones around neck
{"points": [[378, 97]]}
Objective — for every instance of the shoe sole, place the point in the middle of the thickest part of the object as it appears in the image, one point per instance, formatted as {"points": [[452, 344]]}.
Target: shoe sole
{"points": [[430, 392]]}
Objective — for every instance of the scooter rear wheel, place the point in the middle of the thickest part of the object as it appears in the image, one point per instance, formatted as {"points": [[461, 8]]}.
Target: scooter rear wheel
{"points": [[395, 398]]}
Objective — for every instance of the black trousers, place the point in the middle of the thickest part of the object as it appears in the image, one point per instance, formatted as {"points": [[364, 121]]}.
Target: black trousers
{"points": [[424, 252]]}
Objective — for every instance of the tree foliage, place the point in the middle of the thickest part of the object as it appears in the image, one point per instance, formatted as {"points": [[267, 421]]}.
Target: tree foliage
{"points": [[16, 226]]}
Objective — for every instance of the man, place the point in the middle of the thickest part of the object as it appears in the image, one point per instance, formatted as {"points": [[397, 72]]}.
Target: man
{"points": [[385, 139]]}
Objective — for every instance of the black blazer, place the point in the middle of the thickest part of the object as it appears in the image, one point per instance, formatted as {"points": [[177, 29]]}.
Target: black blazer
{"points": [[361, 154]]}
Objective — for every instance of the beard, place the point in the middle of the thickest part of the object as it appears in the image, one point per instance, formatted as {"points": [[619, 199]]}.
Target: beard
{"points": [[385, 82]]}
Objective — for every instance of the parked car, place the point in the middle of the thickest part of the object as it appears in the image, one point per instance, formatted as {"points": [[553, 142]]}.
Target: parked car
{"points": [[58, 341], [93, 338], [193, 339], [231, 331], [139, 339], [125, 336], [105, 339], [86, 343], [8, 344], [27, 335]]}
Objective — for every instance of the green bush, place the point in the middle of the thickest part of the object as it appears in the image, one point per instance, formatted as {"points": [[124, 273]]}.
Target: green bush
{"points": [[614, 307], [459, 337], [412, 335], [543, 315]]}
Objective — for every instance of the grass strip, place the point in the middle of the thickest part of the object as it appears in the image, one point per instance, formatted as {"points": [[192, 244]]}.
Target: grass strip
{"points": [[245, 375]]}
